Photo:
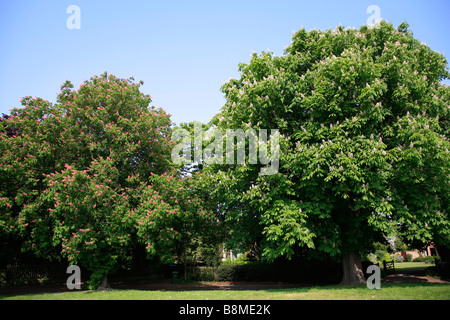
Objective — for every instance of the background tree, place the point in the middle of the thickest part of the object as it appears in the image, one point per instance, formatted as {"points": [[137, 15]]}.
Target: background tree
{"points": [[174, 211], [364, 124], [239, 230]]}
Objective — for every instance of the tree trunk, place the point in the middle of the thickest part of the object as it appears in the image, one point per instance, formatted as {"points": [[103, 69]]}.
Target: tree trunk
{"points": [[256, 252], [104, 285], [352, 269]]}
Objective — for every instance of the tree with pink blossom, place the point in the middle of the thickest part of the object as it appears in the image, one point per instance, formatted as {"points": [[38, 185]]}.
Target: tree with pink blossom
{"points": [[80, 177]]}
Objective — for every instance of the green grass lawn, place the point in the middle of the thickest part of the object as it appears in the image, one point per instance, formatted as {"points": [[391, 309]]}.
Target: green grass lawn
{"points": [[403, 291], [410, 291], [404, 266]]}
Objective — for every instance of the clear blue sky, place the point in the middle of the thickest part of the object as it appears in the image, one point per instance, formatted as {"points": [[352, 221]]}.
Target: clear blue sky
{"points": [[183, 50]]}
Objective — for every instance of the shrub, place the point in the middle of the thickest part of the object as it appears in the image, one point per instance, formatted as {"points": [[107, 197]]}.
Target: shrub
{"points": [[387, 257], [380, 253], [430, 259], [257, 271], [442, 271], [300, 272], [372, 257], [202, 274], [226, 272], [409, 257], [427, 260], [241, 260]]}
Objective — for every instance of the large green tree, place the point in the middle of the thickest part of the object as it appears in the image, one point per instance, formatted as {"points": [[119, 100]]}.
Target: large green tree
{"points": [[363, 118]]}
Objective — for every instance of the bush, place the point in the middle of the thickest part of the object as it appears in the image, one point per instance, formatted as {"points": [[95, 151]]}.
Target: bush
{"points": [[299, 272], [257, 272], [427, 260], [398, 258], [409, 257], [387, 257], [372, 257], [241, 260], [227, 272], [442, 270], [202, 273], [430, 259]]}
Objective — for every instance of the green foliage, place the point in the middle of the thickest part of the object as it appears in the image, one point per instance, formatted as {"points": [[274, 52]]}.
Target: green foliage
{"points": [[90, 177], [240, 260], [250, 271], [386, 257], [97, 276], [226, 272], [209, 254], [427, 259], [364, 129], [380, 252], [280, 271], [174, 210]]}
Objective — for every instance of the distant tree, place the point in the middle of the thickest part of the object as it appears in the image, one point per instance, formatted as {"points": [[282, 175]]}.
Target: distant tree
{"points": [[364, 129], [174, 210]]}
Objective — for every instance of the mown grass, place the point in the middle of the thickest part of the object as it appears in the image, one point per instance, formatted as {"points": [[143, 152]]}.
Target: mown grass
{"points": [[409, 291], [388, 291], [403, 266]]}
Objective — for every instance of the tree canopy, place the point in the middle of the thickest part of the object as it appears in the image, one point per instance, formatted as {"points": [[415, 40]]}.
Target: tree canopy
{"points": [[91, 176], [363, 118], [363, 147]]}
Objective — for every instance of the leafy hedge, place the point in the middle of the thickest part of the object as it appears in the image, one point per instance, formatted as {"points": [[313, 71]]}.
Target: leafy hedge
{"points": [[305, 272], [427, 260]]}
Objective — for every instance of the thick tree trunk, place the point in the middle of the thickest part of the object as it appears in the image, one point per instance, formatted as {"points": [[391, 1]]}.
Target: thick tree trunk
{"points": [[352, 269], [104, 285]]}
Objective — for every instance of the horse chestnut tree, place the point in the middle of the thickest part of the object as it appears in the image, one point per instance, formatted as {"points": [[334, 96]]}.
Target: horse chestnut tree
{"points": [[363, 117]]}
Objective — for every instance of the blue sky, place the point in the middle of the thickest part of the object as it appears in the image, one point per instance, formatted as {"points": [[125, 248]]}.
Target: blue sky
{"points": [[183, 50]]}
